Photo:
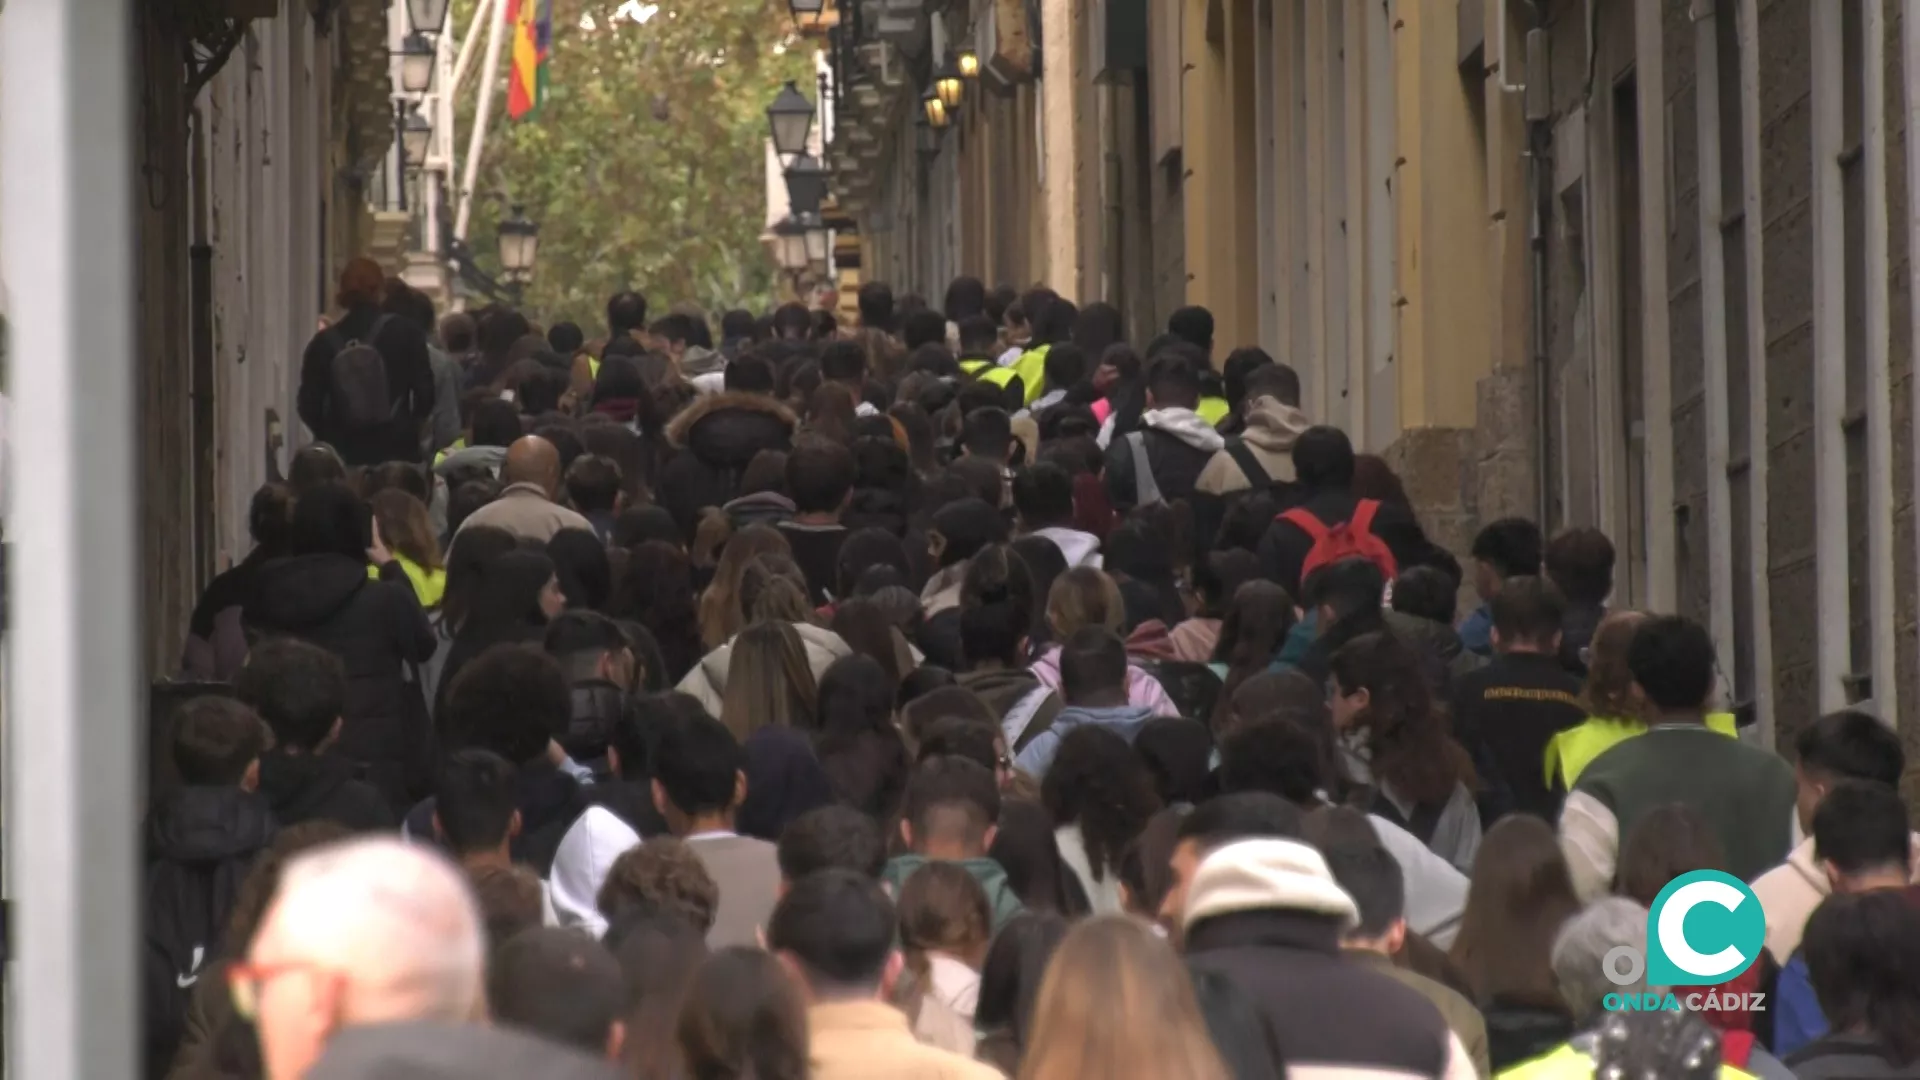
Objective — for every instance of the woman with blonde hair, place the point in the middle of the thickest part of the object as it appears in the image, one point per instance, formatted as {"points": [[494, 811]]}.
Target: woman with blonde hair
{"points": [[1117, 1003], [720, 616], [1615, 713], [767, 589], [769, 683], [1084, 597]]}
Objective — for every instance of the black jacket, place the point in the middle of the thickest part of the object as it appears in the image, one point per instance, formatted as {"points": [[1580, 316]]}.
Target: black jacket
{"points": [[548, 800], [1576, 633], [409, 381], [1517, 1033], [716, 437], [322, 787], [1284, 549], [1504, 714], [1177, 465], [201, 844], [378, 631], [1324, 1010]]}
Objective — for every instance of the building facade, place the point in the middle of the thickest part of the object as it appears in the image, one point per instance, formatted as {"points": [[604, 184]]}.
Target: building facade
{"points": [[1636, 264]]}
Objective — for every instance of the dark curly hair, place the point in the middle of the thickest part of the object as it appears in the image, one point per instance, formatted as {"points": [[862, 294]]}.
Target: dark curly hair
{"points": [[1099, 783], [1407, 738]]}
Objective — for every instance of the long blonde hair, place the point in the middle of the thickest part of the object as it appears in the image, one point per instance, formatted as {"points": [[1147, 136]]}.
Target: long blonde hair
{"points": [[1084, 597], [769, 682], [720, 615], [1117, 1002], [406, 528]]}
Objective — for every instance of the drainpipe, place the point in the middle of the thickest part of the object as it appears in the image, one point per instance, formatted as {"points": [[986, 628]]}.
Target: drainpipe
{"points": [[1538, 105]]}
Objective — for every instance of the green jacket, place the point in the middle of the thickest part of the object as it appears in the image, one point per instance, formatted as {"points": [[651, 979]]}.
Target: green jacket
{"points": [[1001, 900]]}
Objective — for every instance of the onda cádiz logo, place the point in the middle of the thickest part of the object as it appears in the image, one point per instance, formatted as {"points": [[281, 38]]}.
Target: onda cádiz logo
{"points": [[1704, 928]]}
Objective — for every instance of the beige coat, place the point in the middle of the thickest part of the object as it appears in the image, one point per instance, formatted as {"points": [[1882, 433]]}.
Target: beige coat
{"points": [[525, 511], [1788, 894], [868, 1040], [1271, 430]]}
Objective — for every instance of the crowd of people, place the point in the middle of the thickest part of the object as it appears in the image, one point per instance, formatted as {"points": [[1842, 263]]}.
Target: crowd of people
{"points": [[959, 693]]}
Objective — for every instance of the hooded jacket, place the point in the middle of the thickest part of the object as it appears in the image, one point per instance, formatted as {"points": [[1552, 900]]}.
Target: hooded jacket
{"points": [[1143, 689], [1179, 444], [378, 631], [201, 843], [1124, 721], [700, 360], [716, 437], [581, 864], [1002, 901], [1269, 436], [1078, 548], [1788, 894], [321, 787], [1267, 916], [708, 679], [1008, 694]]}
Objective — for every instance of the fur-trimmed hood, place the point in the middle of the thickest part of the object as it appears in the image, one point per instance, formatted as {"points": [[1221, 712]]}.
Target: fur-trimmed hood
{"points": [[728, 429]]}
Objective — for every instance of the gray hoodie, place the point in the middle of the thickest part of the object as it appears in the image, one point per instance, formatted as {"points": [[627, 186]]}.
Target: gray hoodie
{"points": [[1123, 720], [699, 361]]}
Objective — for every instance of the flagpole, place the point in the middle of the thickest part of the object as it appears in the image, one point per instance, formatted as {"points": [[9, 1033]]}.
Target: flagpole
{"points": [[482, 115], [468, 43]]}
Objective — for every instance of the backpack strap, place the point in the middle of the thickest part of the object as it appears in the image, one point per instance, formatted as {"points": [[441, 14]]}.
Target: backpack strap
{"points": [[1146, 491], [1362, 520], [1019, 718], [1303, 519], [1243, 456]]}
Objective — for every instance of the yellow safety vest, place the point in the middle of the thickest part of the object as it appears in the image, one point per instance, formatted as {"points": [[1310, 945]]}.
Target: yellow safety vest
{"points": [[999, 376], [1570, 752], [1568, 1063], [429, 585], [593, 368], [1032, 369], [1212, 410], [441, 455], [975, 367]]}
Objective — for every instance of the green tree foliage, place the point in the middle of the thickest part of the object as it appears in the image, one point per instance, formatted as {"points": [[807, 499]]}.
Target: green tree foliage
{"points": [[645, 166]]}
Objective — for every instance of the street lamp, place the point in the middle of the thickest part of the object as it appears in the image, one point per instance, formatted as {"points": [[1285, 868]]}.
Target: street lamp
{"points": [[806, 184], [790, 244], [969, 63], [428, 16], [417, 55], [814, 15], [415, 133], [937, 116], [519, 242], [949, 85], [815, 237], [790, 117]]}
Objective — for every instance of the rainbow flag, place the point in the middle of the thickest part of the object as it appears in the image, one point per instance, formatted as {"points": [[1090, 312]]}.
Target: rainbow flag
{"points": [[532, 39]]}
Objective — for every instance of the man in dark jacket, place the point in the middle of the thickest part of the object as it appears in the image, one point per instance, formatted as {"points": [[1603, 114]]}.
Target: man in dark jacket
{"points": [[820, 479], [1259, 909], [1174, 441], [201, 843], [322, 594], [401, 344], [1506, 712], [716, 438], [300, 690], [1323, 471], [1580, 562], [514, 701]]}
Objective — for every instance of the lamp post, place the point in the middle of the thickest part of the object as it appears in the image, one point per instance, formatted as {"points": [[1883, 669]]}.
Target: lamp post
{"points": [[416, 132], [806, 184], [790, 244], [949, 85], [926, 140], [969, 63], [815, 236], [937, 116], [428, 16], [790, 118], [519, 243], [417, 56]]}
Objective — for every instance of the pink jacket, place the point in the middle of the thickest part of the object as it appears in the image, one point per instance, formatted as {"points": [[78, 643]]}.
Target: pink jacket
{"points": [[1143, 690]]}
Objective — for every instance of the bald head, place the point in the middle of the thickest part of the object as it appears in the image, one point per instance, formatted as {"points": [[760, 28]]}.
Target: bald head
{"points": [[532, 460], [365, 931]]}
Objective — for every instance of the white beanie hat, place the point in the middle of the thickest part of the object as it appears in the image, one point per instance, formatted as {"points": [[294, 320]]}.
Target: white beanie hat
{"points": [[1255, 875]]}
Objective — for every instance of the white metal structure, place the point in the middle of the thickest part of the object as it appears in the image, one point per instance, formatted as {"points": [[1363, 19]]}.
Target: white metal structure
{"points": [[67, 254]]}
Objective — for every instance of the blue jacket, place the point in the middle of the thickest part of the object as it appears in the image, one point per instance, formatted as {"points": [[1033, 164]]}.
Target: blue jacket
{"points": [[1797, 1019], [1124, 721], [1476, 630]]}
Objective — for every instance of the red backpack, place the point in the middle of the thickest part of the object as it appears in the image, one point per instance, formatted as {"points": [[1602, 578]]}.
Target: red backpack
{"points": [[1351, 539]]}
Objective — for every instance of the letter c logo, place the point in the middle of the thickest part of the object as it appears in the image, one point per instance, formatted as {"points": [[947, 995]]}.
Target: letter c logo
{"points": [[1673, 934]]}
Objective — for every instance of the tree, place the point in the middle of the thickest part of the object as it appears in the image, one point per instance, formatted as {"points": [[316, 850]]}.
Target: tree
{"points": [[645, 165]]}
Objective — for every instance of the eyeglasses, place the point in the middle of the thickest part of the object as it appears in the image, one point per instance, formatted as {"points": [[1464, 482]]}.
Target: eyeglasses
{"points": [[246, 982]]}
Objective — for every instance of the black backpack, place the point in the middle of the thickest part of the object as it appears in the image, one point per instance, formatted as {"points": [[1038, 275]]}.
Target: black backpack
{"points": [[362, 396]]}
